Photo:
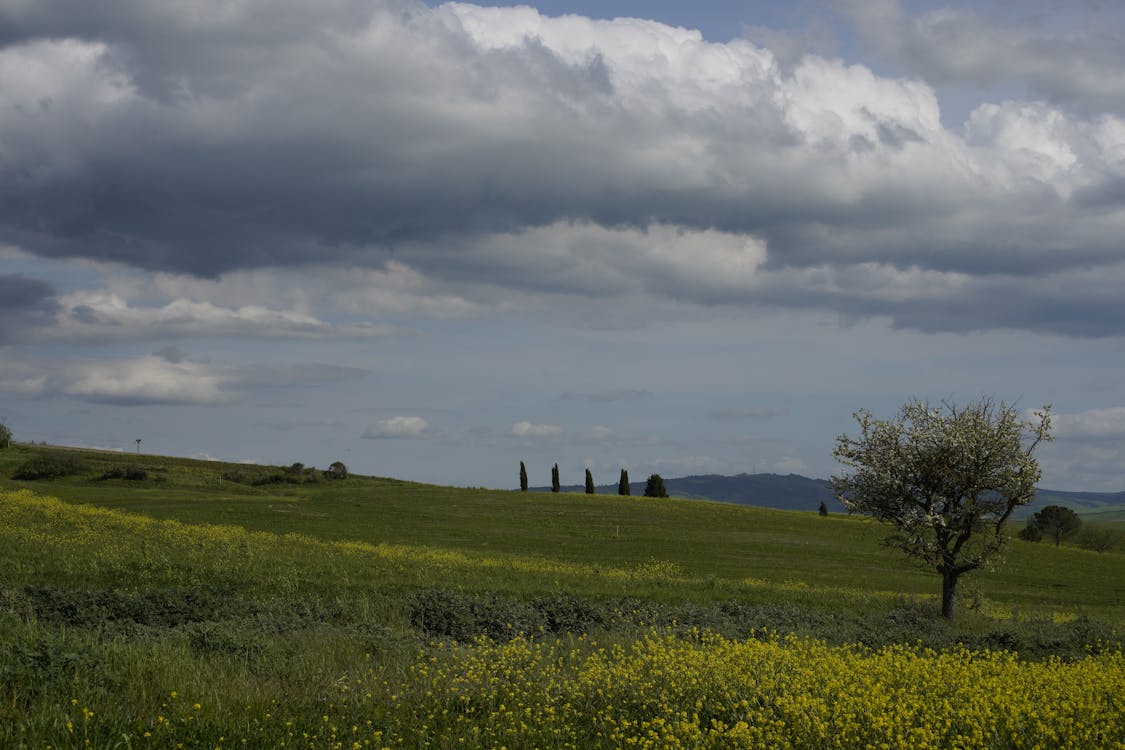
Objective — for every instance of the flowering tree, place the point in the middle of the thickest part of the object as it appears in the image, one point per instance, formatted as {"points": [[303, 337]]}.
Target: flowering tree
{"points": [[946, 477]]}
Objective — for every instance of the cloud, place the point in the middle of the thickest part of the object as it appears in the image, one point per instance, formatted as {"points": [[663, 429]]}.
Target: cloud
{"points": [[171, 377], [149, 380], [26, 379], [398, 428], [437, 155], [751, 413], [252, 377], [1107, 424], [528, 430], [25, 304], [396, 288], [100, 316], [608, 396], [1083, 66], [118, 305]]}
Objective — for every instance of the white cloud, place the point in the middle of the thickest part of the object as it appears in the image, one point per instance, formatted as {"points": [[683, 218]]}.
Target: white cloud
{"points": [[396, 289], [526, 429], [1093, 424], [148, 380], [398, 427], [102, 316], [590, 260], [25, 386], [431, 157], [176, 379]]}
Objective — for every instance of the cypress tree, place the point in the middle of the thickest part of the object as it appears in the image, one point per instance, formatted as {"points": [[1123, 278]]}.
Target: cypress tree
{"points": [[823, 509], [555, 478], [623, 484], [523, 477], [589, 483]]}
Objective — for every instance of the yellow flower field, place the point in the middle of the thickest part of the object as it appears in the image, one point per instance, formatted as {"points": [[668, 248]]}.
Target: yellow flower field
{"points": [[182, 685], [709, 692], [665, 691]]}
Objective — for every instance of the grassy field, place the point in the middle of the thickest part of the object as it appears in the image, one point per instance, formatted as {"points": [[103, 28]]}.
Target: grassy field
{"points": [[349, 612]]}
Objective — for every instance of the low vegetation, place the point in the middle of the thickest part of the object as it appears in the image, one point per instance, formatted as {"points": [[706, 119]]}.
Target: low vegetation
{"points": [[364, 612]]}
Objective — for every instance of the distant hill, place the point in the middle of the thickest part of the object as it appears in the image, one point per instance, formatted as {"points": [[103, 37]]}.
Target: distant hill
{"points": [[796, 492], [1093, 506], [780, 491]]}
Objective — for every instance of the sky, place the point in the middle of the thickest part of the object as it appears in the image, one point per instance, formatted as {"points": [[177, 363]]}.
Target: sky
{"points": [[434, 240]]}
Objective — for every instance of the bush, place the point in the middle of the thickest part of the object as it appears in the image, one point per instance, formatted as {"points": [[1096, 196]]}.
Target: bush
{"points": [[131, 473], [1099, 538], [48, 466], [226, 638], [1030, 532], [5, 436]]}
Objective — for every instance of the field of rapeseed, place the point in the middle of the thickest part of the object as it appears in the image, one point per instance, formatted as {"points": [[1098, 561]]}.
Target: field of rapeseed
{"points": [[122, 631], [662, 691]]}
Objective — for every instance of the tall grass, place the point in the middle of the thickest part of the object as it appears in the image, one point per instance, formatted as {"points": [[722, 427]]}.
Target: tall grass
{"points": [[368, 613]]}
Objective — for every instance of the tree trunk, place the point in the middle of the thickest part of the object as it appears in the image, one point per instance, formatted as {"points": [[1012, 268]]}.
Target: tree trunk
{"points": [[948, 589]]}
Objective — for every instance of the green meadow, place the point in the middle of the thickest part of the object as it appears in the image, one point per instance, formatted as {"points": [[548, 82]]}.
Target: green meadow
{"points": [[222, 605]]}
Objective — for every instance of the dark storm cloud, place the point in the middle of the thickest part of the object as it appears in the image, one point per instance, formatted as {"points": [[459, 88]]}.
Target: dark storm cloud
{"points": [[498, 147], [25, 305]]}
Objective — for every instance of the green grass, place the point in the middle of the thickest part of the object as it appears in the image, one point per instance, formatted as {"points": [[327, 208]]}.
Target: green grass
{"points": [[255, 601], [796, 553]]}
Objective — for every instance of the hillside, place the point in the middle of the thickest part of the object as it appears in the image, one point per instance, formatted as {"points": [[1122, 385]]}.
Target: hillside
{"points": [[153, 602], [723, 541]]}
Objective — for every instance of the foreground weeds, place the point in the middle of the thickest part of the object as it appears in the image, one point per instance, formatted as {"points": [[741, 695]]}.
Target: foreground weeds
{"points": [[121, 631], [695, 690]]}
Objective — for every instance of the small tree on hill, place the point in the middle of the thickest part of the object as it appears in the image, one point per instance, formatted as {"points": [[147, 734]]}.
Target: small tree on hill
{"points": [[1057, 522], [823, 509], [1098, 538], [589, 483], [555, 486], [654, 487], [523, 477], [623, 483], [946, 478], [337, 470], [5, 436], [1030, 532]]}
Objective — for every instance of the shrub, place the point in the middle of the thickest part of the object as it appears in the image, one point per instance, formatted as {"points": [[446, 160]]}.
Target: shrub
{"points": [[1030, 532], [131, 473], [48, 466], [1099, 538]]}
